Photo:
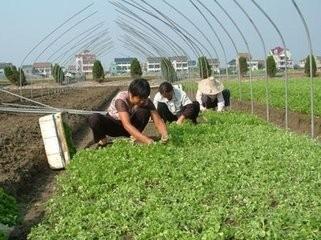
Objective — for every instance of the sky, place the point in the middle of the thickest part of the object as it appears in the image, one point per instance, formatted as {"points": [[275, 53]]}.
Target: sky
{"points": [[24, 24]]}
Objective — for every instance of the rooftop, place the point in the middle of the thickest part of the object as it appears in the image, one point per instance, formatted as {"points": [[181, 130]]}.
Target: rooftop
{"points": [[42, 65], [123, 60], [154, 59], [179, 58], [3, 65]]}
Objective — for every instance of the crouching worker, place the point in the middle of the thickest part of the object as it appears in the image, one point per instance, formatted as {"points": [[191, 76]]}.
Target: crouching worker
{"points": [[211, 94], [174, 105], [128, 115]]}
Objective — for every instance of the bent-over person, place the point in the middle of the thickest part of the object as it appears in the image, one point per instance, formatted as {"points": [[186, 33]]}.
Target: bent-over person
{"points": [[212, 95], [173, 105], [128, 115]]}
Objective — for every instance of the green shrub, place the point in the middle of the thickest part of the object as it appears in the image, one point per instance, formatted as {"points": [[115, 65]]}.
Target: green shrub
{"points": [[58, 74], [98, 71], [8, 209], [168, 71], [13, 75], [135, 69], [243, 66], [271, 66], [204, 67], [2, 236], [307, 67]]}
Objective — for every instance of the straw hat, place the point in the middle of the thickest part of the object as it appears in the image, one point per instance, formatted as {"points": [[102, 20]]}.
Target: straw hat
{"points": [[210, 86]]}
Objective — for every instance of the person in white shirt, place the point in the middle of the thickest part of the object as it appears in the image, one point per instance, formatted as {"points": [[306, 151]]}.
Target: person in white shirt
{"points": [[173, 105], [211, 94]]}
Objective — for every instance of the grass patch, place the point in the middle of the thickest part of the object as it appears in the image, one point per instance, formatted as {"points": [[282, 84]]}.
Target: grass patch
{"points": [[8, 209], [9, 213]]}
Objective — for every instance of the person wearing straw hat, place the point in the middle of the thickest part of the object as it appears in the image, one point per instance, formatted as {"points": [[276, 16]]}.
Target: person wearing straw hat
{"points": [[173, 105], [211, 94]]}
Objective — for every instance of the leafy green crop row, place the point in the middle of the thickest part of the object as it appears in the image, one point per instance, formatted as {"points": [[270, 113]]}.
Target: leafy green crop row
{"points": [[298, 93], [233, 177]]}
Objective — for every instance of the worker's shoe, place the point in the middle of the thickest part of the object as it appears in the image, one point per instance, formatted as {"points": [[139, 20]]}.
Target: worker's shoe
{"points": [[102, 143]]}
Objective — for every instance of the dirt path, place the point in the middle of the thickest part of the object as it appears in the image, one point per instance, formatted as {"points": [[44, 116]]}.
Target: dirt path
{"points": [[297, 122]]}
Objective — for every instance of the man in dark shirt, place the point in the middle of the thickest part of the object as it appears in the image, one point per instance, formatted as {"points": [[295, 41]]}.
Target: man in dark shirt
{"points": [[128, 115]]}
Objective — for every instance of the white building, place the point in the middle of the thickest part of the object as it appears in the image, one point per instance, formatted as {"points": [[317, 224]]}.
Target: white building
{"points": [[153, 64], [255, 65], [252, 64], [85, 62], [180, 63], [215, 64], [278, 54], [122, 65], [42, 68], [72, 68]]}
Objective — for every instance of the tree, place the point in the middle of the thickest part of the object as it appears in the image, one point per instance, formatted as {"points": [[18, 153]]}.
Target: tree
{"points": [[13, 75], [23, 77], [55, 71], [61, 75], [261, 65], [307, 67], [8, 73], [135, 69], [168, 71], [204, 67], [243, 66], [271, 66], [98, 71], [58, 74]]}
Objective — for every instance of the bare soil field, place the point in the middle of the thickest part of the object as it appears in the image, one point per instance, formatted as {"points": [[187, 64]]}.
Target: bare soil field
{"points": [[24, 171]]}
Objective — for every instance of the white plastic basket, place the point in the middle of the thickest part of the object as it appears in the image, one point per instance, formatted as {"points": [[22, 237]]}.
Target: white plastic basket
{"points": [[54, 139]]}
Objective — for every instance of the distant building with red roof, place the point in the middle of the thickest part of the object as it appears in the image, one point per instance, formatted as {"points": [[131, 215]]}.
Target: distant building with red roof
{"points": [[85, 62], [42, 68], [278, 54]]}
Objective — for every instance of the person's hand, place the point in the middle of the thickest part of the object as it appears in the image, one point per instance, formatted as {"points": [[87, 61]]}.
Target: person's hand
{"points": [[203, 109], [150, 141], [220, 109], [164, 139], [134, 140]]}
